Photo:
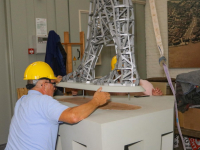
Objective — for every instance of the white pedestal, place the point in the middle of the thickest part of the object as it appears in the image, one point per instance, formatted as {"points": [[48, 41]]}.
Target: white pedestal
{"points": [[148, 128]]}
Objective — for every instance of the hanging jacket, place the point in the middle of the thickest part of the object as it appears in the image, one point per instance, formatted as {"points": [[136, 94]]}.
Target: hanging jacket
{"points": [[55, 54]]}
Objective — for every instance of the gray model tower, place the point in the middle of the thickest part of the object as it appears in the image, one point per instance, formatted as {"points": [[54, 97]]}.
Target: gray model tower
{"points": [[110, 23]]}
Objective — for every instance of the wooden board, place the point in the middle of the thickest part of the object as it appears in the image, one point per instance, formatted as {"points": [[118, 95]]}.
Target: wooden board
{"points": [[117, 88], [68, 50], [21, 92], [184, 56]]}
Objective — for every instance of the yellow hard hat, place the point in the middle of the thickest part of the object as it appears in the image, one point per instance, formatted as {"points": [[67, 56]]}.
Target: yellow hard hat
{"points": [[113, 62], [37, 70]]}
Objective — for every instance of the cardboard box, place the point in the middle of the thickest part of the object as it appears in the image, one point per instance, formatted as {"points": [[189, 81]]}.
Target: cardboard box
{"points": [[190, 119], [164, 87]]}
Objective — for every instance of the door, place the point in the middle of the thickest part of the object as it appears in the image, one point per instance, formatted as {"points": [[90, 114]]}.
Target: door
{"points": [[75, 9]]}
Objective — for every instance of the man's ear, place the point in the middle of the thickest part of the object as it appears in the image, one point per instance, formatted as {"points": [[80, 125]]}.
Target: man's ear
{"points": [[42, 85]]}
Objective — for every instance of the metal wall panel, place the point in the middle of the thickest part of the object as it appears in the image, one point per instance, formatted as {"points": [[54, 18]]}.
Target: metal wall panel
{"points": [[62, 17], [20, 40], [23, 15], [5, 106], [41, 11], [140, 40]]}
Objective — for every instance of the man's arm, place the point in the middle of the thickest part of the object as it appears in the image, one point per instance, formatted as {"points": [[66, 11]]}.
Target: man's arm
{"points": [[78, 113]]}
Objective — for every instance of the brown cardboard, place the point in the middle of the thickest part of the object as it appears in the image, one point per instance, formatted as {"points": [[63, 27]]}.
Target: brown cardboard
{"points": [[163, 86], [190, 119]]}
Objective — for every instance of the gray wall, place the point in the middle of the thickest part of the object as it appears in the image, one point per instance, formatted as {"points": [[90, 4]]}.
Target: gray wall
{"points": [[18, 19], [23, 14], [17, 22], [5, 103], [75, 6], [140, 40]]}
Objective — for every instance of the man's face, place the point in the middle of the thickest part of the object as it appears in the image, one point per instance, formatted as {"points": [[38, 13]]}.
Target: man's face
{"points": [[49, 87]]}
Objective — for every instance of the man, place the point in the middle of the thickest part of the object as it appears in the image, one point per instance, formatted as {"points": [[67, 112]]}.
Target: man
{"points": [[149, 89], [37, 115]]}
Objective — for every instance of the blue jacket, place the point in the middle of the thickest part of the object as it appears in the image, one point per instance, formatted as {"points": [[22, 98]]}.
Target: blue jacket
{"points": [[55, 54]]}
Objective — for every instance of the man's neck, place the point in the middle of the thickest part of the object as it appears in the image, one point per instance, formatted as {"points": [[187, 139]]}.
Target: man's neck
{"points": [[38, 89]]}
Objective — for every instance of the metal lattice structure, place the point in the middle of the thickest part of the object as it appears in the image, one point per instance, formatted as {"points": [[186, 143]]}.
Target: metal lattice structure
{"points": [[110, 23]]}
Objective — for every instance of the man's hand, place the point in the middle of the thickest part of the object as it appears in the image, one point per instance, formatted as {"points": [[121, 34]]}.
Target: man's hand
{"points": [[157, 92], [75, 114], [59, 78], [74, 92], [100, 98]]}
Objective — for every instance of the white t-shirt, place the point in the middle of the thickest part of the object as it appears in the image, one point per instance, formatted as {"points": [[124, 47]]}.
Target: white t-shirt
{"points": [[147, 86]]}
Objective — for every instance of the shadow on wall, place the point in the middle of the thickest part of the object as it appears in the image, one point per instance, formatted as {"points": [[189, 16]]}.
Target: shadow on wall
{"points": [[2, 147]]}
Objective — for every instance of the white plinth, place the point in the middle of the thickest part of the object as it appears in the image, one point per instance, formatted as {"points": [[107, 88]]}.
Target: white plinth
{"points": [[148, 128]]}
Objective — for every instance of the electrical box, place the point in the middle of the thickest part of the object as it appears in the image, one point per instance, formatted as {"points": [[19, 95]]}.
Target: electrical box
{"points": [[39, 44]]}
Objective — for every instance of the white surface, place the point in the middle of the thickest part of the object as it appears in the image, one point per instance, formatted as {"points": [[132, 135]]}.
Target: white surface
{"points": [[136, 146], [77, 146], [58, 146], [167, 142], [113, 129], [91, 87], [39, 46], [41, 26]]}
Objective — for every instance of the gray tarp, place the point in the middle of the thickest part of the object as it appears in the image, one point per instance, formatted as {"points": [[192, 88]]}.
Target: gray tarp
{"points": [[189, 80]]}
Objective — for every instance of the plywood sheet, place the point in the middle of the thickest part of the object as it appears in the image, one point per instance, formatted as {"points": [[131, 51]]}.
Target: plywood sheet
{"points": [[118, 88]]}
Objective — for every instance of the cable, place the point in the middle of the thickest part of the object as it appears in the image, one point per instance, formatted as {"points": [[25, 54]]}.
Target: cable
{"points": [[162, 60], [175, 103]]}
